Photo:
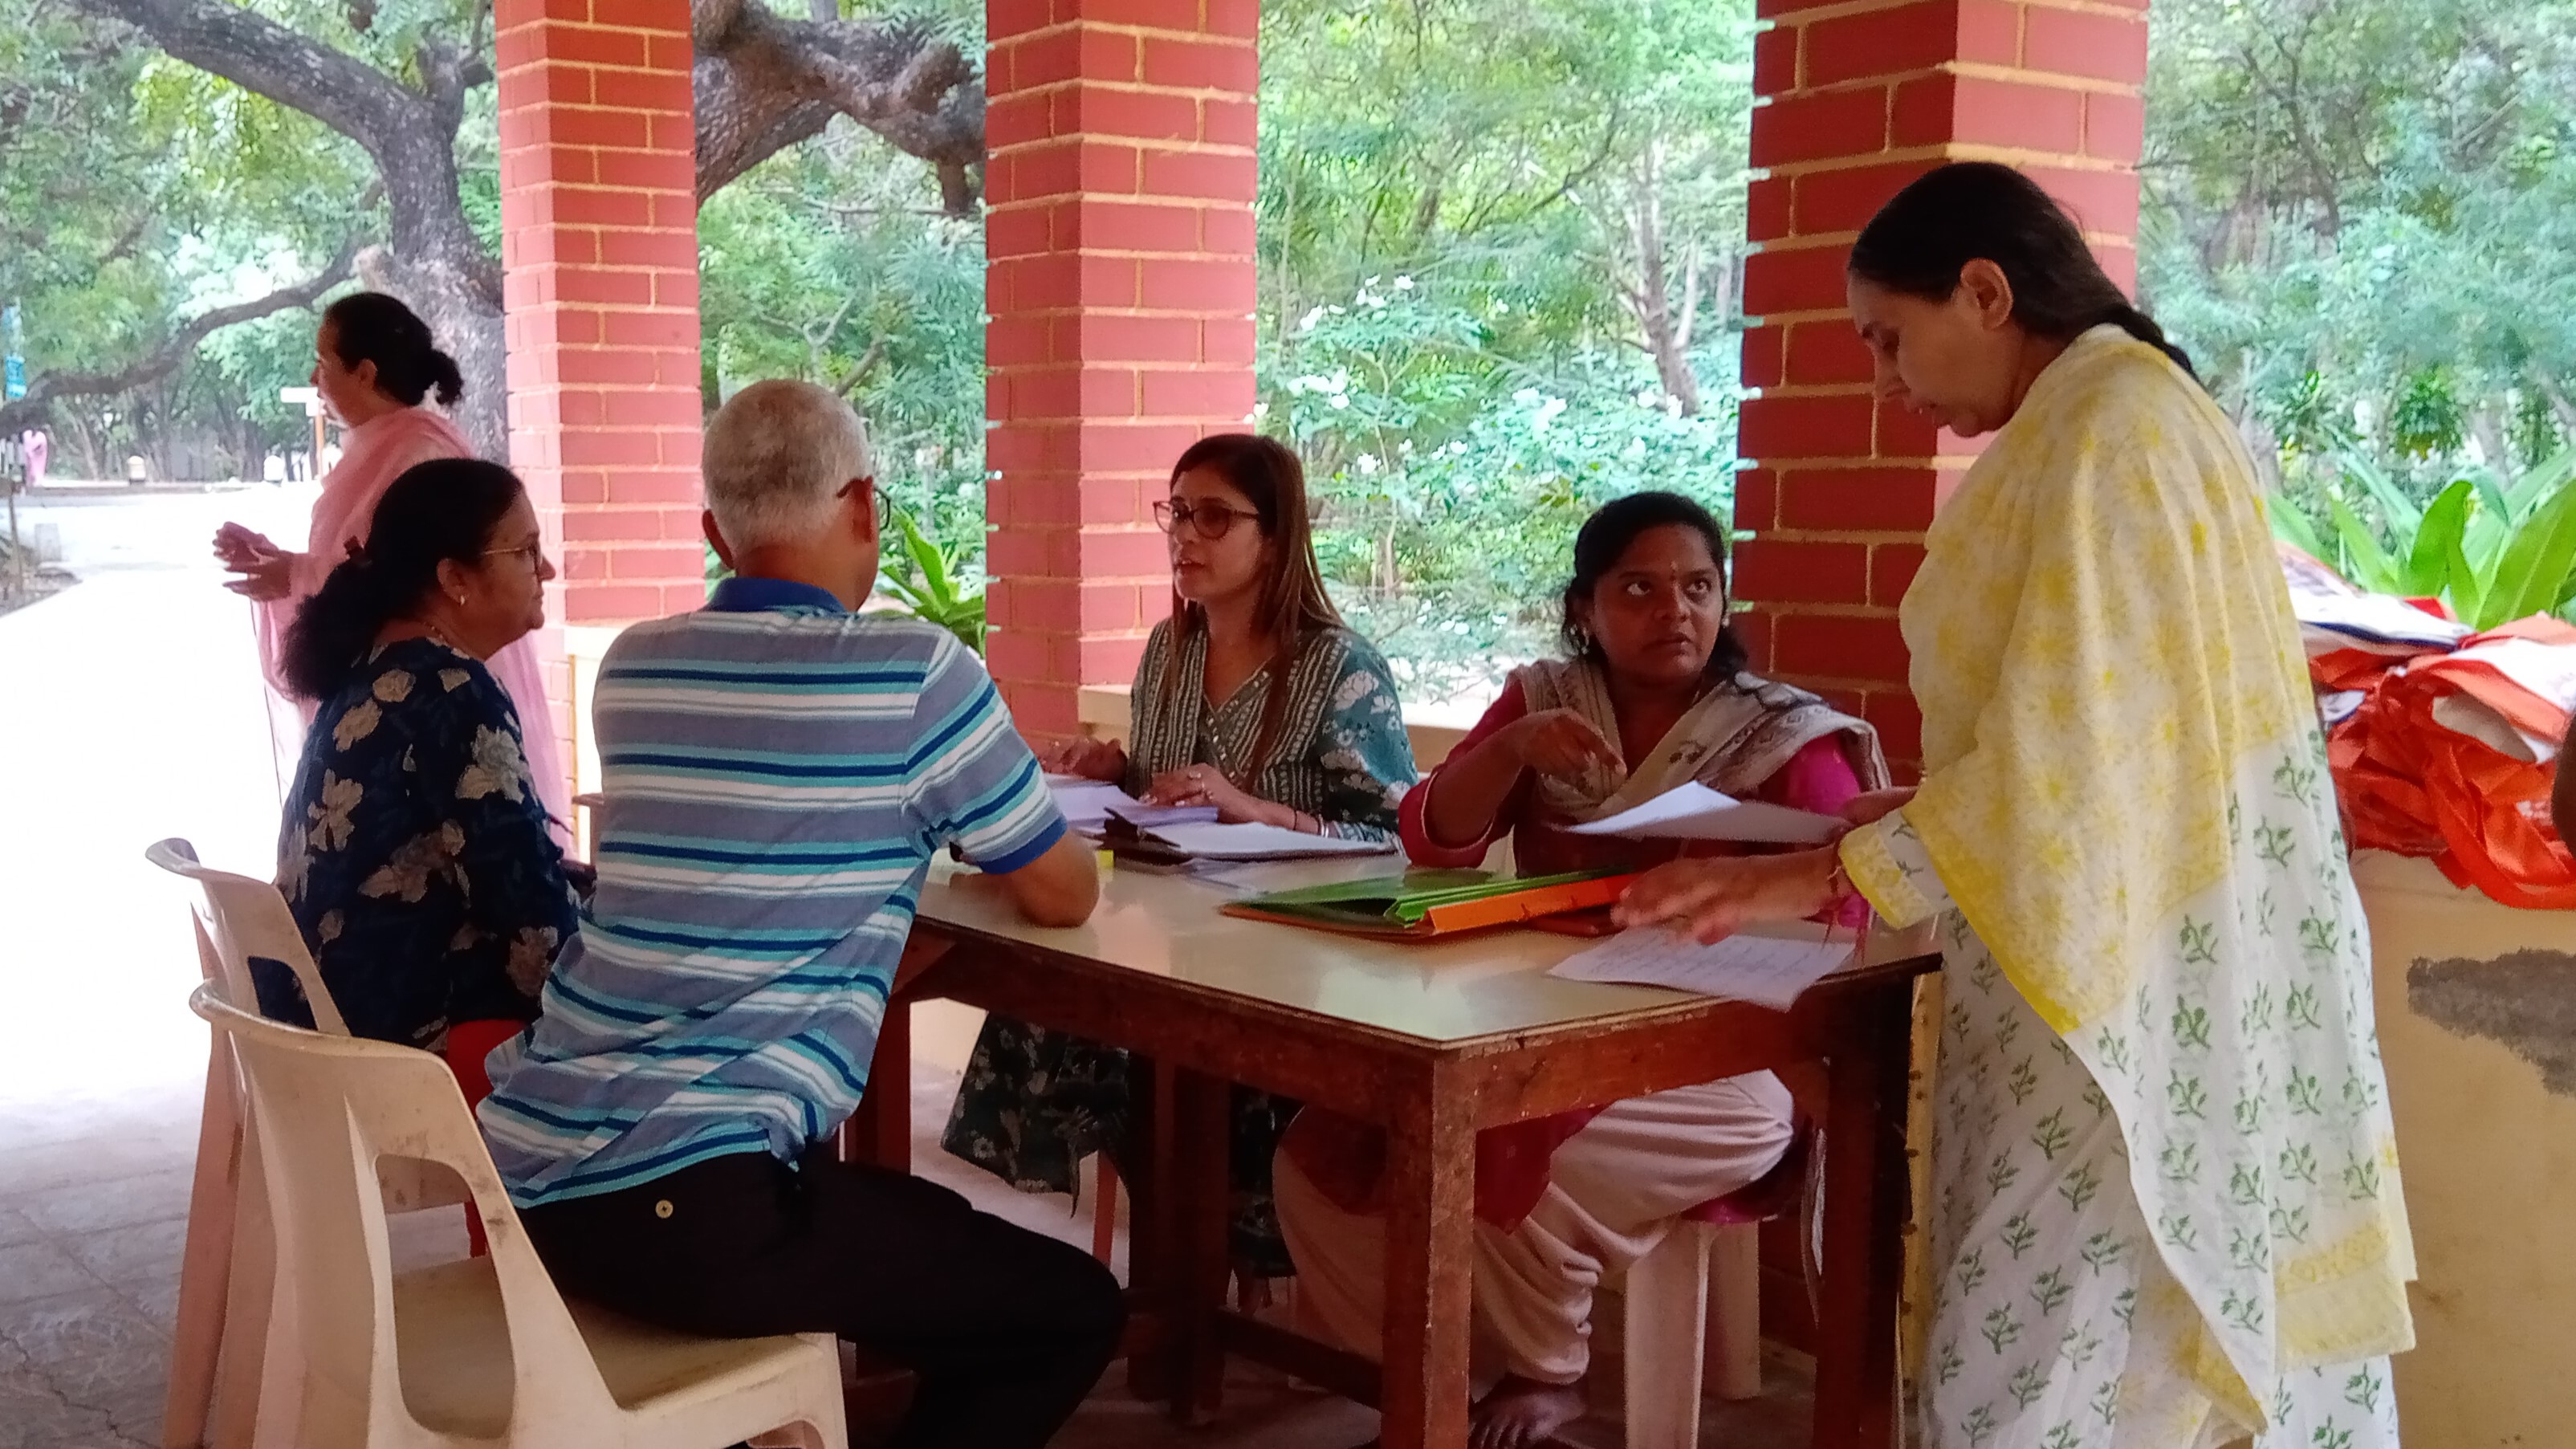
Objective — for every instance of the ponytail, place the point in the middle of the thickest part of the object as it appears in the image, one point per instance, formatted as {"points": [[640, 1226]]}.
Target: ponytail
{"points": [[444, 509], [2144, 328], [1921, 241], [372, 327]]}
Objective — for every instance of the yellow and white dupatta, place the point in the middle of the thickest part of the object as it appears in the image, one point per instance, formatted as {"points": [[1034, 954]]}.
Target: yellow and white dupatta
{"points": [[2126, 797]]}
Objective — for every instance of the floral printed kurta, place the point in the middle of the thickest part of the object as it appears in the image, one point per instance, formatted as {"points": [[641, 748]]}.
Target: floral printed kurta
{"points": [[2166, 1209], [415, 856], [1036, 1102]]}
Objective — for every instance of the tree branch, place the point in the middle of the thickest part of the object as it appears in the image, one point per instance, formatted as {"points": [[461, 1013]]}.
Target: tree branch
{"points": [[866, 364], [765, 82], [266, 58], [161, 362]]}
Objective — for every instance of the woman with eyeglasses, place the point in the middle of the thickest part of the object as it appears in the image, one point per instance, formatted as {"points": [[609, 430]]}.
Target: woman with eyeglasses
{"points": [[377, 368], [414, 852], [1253, 698]]}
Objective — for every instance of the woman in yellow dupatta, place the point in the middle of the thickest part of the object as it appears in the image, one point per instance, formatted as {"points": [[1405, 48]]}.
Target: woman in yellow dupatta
{"points": [[2166, 1209]]}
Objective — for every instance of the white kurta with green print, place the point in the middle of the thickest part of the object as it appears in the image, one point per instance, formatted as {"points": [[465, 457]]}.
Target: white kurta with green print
{"points": [[2167, 1210], [2071, 1275]]}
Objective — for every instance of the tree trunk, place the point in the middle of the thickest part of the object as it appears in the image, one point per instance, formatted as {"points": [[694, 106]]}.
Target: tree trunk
{"points": [[1651, 300]]}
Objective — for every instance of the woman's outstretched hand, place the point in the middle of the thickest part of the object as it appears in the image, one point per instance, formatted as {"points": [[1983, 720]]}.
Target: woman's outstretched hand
{"points": [[1711, 899]]}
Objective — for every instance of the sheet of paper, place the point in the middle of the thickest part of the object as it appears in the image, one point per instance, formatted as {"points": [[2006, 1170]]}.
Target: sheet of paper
{"points": [[1766, 970], [1257, 842], [1086, 803], [1692, 811]]}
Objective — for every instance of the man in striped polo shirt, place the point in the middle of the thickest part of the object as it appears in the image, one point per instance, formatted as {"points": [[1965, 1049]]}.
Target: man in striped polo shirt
{"points": [[779, 771]]}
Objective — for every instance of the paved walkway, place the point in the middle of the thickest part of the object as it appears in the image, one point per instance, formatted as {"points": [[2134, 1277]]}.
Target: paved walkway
{"points": [[130, 710]]}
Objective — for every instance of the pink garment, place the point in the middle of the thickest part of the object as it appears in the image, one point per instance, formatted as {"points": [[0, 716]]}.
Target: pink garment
{"points": [[1345, 1160], [372, 456]]}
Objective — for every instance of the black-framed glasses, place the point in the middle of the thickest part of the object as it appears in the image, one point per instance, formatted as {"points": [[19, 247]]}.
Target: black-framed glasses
{"points": [[1211, 520], [884, 505]]}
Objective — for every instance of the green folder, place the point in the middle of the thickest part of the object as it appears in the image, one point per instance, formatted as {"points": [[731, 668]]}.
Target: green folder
{"points": [[1425, 903]]}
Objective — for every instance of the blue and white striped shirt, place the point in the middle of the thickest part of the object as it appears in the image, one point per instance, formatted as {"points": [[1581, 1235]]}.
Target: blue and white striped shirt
{"points": [[778, 773]]}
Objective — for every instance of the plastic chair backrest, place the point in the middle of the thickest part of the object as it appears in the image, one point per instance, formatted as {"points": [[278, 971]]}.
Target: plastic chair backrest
{"points": [[243, 918], [327, 1108]]}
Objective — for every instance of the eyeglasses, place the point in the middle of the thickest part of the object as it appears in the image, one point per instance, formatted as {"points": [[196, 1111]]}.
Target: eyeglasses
{"points": [[884, 505], [534, 551], [1212, 520]]}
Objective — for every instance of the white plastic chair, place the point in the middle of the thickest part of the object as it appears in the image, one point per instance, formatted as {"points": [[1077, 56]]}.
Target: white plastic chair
{"points": [[241, 918], [226, 1337], [482, 1352], [1715, 1251]]}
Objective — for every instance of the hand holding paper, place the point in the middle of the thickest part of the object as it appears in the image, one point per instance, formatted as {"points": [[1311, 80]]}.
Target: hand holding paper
{"points": [[1710, 899]]}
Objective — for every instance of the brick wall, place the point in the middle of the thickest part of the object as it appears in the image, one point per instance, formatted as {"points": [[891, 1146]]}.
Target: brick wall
{"points": [[1858, 97], [1120, 292], [600, 284]]}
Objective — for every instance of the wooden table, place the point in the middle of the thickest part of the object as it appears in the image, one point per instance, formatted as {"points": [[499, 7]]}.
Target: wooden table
{"points": [[1431, 1041]]}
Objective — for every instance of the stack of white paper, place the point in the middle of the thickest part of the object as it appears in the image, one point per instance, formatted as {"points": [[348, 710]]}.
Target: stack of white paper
{"points": [[1210, 841], [1086, 803], [1692, 811], [1765, 970]]}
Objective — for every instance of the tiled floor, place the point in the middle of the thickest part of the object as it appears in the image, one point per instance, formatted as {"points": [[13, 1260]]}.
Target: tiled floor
{"points": [[92, 1214], [131, 712]]}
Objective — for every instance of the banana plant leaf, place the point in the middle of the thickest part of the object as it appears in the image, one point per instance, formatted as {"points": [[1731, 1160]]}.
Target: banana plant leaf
{"points": [[2405, 515], [2531, 575], [2365, 561], [2291, 526], [2438, 542]]}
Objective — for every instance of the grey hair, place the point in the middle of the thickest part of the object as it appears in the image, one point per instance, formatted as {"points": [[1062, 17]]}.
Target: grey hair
{"points": [[776, 455]]}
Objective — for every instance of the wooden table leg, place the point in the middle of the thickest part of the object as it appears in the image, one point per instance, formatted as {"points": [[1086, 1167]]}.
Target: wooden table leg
{"points": [[1203, 1205], [881, 1130], [1864, 1217], [1431, 1180], [1150, 1221]]}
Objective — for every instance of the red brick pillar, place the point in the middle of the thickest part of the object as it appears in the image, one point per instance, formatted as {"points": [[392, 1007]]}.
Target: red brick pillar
{"points": [[1856, 99], [1120, 289], [599, 257]]}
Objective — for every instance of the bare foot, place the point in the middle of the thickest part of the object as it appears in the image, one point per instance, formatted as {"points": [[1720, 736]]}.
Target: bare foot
{"points": [[1523, 1413]]}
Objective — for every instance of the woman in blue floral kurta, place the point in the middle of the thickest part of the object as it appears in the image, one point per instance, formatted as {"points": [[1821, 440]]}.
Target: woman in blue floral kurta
{"points": [[414, 852]]}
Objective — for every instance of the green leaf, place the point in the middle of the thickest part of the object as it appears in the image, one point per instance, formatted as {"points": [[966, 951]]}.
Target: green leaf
{"points": [[2291, 526], [2368, 564], [2531, 575], [2404, 516], [2438, 541], [2491, 490], [2546, 478], [926, 556]]}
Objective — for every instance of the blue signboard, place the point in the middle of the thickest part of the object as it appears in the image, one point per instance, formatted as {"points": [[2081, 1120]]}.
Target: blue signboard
{"points": [[13, 378]]}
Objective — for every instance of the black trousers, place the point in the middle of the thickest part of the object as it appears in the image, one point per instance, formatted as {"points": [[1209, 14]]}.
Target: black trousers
{"points": [[1006, 1330]]}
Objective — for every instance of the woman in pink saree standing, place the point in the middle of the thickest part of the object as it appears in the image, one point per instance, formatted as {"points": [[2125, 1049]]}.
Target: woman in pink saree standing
{"points": [[376, 367]]}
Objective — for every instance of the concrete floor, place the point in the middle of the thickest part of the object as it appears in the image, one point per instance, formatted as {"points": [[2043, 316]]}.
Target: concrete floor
{"points": [[130, 710]]}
